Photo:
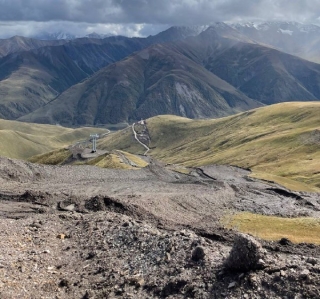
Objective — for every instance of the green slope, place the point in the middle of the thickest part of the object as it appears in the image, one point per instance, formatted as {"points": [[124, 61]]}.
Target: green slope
{"points": [[21, 140], [115, 159], [279, 142]]}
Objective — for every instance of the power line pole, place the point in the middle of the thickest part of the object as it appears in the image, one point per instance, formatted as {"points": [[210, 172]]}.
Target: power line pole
{"points": [[94, 142]]}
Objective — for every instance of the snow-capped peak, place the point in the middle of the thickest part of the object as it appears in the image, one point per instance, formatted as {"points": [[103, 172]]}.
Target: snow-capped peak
{"points": [[97, 35], [280, 26], [59, 35]]}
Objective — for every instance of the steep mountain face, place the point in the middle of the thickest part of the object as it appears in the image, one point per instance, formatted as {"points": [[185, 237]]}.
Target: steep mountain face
{"points": [[34, 72], [58, 35], [157, 80], [28, 80], [213, 41], [267, 75], [187, 78], [262, 73], [176, 33], [185, 74], [42, 74], [290, 37], [18, 44]]}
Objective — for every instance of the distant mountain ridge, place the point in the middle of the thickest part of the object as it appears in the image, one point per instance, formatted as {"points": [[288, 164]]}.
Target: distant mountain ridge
{"points": [[210, 75], [19, 43], [298, 39], [157, 80], [197, 72], [63, 35], [34, 72]]}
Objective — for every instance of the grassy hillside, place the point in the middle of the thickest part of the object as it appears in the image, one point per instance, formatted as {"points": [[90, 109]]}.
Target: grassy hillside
{"points": [[21, 140], [279, 142], [115, 159]]}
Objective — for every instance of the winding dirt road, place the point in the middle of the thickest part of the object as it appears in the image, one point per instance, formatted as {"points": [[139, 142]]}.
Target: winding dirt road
{"points": [[136, 137]]}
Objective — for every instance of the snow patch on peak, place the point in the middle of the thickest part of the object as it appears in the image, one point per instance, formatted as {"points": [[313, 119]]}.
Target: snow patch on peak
{"points": [[289, 32], [97, 35], [220, 25], [280, 26], [190, 30]]}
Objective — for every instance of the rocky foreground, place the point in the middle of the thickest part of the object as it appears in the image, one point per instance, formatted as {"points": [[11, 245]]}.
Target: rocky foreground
{"points": [[86, 232]]}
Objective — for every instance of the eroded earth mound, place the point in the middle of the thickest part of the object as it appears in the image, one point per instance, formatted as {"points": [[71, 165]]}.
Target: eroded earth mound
{"points": [[88, 232]]}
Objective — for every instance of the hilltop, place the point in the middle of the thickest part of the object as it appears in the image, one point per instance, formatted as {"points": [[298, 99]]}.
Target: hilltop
{"points": [[279, 142]]}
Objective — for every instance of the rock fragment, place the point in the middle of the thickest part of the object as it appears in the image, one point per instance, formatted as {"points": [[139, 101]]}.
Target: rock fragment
{"points": [[304, 274], [61, 236], [312, 261], [198, 254], [246, 254], [232, 285], [63, 283]]}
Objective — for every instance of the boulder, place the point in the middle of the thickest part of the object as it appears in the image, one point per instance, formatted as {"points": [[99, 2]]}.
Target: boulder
{"points": [[246, 254]]}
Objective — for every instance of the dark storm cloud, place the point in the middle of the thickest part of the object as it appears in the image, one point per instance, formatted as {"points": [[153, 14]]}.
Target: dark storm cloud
{"points": [[156, 11], [142, 17]]}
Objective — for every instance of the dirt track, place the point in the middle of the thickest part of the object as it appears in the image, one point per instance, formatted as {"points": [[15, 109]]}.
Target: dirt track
{"points": [[87, 232]]}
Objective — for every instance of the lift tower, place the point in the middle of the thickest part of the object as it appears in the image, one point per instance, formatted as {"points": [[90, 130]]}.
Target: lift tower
{"points": [[94, 142]]}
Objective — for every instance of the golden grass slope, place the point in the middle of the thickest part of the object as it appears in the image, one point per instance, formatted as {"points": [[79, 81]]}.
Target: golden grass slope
{"points": [[55, 157], [279, 142], [297, 230], [23, 140], [115, 159]]}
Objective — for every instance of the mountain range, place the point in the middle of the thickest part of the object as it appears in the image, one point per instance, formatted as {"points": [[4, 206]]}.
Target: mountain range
{"points": [[290, 37], [60, 35], [197, 72]]}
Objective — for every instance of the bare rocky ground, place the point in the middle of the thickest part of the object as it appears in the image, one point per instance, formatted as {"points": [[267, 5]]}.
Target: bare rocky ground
{"points": [[87, 232]]}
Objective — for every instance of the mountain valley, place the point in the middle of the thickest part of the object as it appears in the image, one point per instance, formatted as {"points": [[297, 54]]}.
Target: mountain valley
{"points": [[157, 80], [166, 66], [180, 165], [34, 72]]}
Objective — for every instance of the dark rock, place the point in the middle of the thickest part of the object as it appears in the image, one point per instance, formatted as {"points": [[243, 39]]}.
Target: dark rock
{"points": [[304, 274], [63, 283], [285, 241], [245, 254], [198, 254], [36, 225], [91, 255], [312, 261], [173, 287], [126, 224]]}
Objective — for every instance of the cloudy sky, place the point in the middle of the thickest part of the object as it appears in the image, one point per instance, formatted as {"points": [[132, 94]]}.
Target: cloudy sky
{"points": [[142, 17]]}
